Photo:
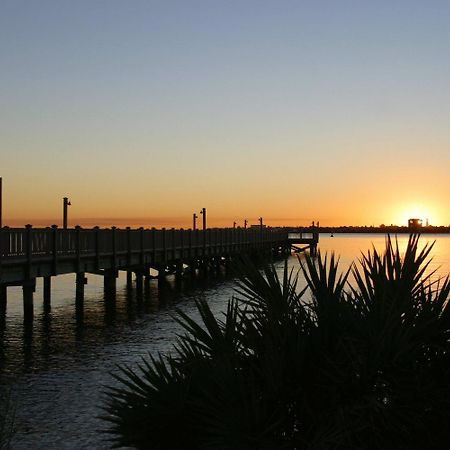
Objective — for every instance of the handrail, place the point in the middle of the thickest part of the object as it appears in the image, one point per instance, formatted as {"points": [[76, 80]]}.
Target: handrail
{"points": [[58, 242]]}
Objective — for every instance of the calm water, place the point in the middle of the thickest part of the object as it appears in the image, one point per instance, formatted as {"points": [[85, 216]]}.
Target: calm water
{"points": [[56, 367]]}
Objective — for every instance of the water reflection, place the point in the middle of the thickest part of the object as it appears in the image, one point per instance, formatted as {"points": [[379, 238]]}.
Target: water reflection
{"points": [[58, 363], [70, 324]]}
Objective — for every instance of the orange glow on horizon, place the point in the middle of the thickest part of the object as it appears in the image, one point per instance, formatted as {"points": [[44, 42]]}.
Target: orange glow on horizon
{"points": [[427, 213], [279, 205], [149, 222]]}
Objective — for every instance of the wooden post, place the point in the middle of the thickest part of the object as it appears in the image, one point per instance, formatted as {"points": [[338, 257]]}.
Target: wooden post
{"points": [[28, 289], [164, 245], [54, 239], [161, 274], [196, 234], [47, 289], [190, 245], [97, 247], [77, 248], [204, 268], [3, 297], [147, 279], [129, 279], [142, 254], [204, 243], [153, 235], [194, 221], [181, 244], [179, 269], [139, 282], [260, 233], [80, 281], [114, 248], [128, 247], [193, 268], [28, 250], [173, 232], [109, 282]]}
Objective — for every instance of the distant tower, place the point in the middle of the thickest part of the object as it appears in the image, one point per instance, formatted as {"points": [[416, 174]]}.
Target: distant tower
{"points": [[426, 223]]}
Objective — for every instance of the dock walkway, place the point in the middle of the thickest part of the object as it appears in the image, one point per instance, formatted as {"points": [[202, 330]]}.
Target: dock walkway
{"points": [[29, 253]]}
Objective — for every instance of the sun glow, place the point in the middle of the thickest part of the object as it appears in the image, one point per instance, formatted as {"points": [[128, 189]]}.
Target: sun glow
{"points": [[427, 214]]}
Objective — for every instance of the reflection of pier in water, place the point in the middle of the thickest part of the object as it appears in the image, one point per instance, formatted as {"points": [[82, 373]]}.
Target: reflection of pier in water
{"points": [[29, 253], [75, 329]]}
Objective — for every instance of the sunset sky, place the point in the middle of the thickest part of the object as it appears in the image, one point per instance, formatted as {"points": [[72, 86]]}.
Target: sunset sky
{"points": [[143, 112]]}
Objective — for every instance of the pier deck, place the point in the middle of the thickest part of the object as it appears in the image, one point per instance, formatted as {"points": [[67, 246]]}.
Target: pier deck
{"points": [[28, 253]]}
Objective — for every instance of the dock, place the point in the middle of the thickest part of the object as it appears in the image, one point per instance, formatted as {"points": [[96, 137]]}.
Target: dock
{"points": [[28, 253]]}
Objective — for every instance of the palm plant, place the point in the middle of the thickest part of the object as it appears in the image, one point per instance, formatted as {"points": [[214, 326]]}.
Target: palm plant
{"points": [[351, 366]]}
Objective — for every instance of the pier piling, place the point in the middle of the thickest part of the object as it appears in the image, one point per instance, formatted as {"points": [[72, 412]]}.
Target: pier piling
{"points": [[80, 282], [161, 275], [47, 288], [109, 282], [139, 282], [179, 269], [129, 279], [30, 252], [28, 289], [3, 297]]}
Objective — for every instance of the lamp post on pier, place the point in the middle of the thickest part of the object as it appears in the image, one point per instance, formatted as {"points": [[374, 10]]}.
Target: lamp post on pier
{"points": [[203, 213], [194, 221], [66, 204]]}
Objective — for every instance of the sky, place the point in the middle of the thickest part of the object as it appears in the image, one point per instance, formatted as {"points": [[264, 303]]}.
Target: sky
{"points": [[143, 112]]}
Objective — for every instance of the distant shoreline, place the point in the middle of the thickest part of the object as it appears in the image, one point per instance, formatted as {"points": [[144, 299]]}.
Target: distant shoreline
{"points": [[385, 230]]}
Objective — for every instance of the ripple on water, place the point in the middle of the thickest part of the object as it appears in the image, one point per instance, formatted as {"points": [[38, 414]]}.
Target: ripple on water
{"points": [[57, 365]]}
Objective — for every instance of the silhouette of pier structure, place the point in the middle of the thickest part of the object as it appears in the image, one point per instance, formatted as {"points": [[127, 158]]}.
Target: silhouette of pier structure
{"points": [[30, 253]]}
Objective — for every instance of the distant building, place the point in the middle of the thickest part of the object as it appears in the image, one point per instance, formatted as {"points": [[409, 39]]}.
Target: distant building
{"points": [[415, 223]]}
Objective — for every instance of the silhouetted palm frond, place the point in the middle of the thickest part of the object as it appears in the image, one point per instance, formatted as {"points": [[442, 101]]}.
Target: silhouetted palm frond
{"points": [[360, 365]]}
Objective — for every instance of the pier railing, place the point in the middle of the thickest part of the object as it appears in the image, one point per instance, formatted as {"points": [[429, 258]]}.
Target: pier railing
{"points": [[299, 235], [30, 253], [18, 243]]}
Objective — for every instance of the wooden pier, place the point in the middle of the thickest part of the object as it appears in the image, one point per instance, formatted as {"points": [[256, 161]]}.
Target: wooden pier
{"points": [[29, 253]]}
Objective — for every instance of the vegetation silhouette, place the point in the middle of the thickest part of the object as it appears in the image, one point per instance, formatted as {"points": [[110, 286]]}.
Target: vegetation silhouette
{"points": [[352, 366]]}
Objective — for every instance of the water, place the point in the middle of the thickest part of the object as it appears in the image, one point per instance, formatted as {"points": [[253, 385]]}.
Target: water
{"points": [[57, 366], [349, 248]]}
